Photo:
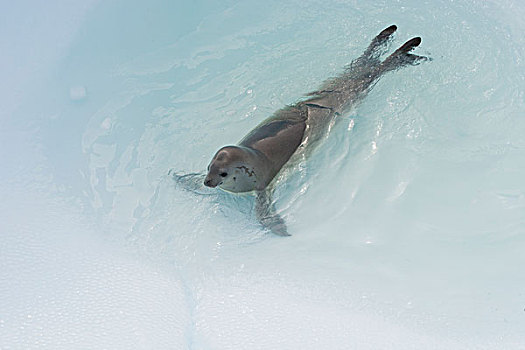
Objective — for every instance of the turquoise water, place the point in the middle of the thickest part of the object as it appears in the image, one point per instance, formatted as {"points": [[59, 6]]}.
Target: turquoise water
{"points": [[407, 224]]}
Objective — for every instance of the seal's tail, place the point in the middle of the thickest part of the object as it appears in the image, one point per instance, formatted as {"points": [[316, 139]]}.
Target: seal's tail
{"points": [[402, 56]]}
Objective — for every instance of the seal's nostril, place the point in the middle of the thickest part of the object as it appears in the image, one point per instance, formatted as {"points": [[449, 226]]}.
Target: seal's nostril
{"points": [[209, 183]]}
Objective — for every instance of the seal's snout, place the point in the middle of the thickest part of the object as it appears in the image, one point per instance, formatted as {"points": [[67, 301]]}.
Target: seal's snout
{"points": [[208, 182]]}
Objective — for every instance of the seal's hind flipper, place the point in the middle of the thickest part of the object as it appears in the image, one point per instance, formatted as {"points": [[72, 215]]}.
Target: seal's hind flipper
{"points": [[410, 45], [386, 33], [402, 56], [377, 47], [379, 43], [362, 65], [267, 216]]}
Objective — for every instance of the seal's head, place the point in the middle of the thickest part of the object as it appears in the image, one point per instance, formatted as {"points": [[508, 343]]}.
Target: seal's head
{"points": [[231, 170]]}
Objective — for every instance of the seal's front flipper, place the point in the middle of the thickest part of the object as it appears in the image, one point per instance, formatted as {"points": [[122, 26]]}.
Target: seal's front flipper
{"points": [[193, 182], [267, 216]]}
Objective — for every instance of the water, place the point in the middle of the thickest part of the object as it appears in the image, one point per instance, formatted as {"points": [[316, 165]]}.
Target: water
{"points": [[407, 224]]}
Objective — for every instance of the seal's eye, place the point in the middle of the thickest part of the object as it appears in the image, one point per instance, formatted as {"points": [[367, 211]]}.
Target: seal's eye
{"points": [[223, 174]]}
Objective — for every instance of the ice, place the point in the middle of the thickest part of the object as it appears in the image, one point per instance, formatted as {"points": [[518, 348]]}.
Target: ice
{"points": [[407, 223]]}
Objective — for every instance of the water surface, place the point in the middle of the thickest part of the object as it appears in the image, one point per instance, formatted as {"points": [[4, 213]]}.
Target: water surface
{"points": [[407, 224]]}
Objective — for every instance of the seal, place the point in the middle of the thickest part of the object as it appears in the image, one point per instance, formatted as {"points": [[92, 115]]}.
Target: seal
{"points": [[254, 162]]}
